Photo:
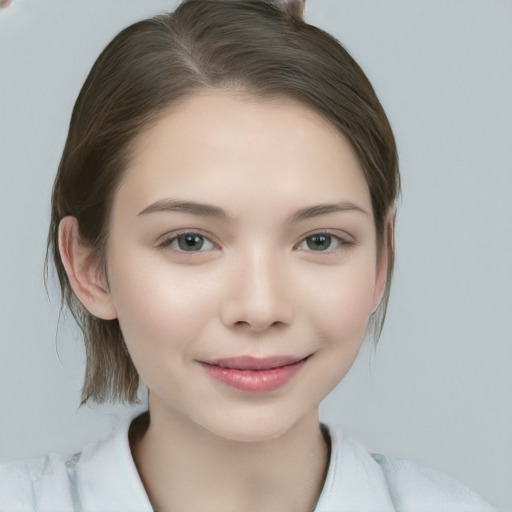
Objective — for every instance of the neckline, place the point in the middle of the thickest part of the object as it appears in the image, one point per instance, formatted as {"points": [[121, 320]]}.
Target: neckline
{"points": [[139, 424]]}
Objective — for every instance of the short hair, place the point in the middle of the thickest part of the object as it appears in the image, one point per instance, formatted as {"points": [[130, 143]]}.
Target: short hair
{"points": [[253, 46]]}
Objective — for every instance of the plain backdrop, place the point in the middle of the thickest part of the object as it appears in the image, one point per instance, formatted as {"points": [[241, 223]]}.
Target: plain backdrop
{"points": [[438, 388]]}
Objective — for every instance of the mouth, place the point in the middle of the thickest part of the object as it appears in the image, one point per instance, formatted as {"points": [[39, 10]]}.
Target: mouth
{"points": [[251, 363], [254, 374]]}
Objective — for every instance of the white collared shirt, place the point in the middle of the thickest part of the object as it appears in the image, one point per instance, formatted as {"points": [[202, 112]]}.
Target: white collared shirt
{"points": [[103, 478]]}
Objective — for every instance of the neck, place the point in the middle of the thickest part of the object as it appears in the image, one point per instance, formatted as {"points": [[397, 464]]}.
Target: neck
{"points": [[185, 467]]}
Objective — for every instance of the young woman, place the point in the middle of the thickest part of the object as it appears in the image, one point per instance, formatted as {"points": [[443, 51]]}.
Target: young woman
{"points": [[222, 227]]}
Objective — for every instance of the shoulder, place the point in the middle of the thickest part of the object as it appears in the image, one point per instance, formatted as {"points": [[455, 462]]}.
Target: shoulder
{"points": [[359, 481], [415, 488], [101, 478], [43, 479]]}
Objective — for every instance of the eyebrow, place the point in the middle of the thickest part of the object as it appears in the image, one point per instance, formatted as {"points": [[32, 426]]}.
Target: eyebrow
{"points": [[190, 207], [325, 209], [208, 210]]}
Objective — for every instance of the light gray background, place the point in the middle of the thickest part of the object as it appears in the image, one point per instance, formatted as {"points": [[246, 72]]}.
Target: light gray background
{"points": [[438, 388]]}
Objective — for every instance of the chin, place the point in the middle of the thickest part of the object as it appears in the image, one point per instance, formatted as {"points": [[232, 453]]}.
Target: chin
{"points": [[253, 429]]}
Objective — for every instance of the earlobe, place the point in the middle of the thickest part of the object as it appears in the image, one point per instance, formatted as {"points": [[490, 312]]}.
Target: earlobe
{"points": [[83, 270]]}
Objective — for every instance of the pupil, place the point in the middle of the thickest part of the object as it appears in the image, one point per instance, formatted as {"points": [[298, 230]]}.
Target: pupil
{"points": [[319, 242], [190, 242]]}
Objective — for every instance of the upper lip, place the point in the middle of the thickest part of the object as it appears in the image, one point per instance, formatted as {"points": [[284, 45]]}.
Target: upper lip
{"points": [[255, 363]]}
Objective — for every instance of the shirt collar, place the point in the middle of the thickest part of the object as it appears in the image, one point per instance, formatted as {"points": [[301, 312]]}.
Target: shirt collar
{"points": [[107, 478]]}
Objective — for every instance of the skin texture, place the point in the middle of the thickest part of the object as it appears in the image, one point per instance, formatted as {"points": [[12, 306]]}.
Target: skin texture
{"points": [[255, 287]]}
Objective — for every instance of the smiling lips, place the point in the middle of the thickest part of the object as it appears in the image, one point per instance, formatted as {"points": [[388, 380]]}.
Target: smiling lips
{"points": [[254, 375]]}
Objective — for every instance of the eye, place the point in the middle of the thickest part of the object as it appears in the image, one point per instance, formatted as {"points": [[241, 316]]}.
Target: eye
{"points": [[322, 242], [189, 242]]}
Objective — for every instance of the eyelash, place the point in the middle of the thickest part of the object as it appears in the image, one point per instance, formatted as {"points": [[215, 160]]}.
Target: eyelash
{"points": [[340, 241], [168, 242]]}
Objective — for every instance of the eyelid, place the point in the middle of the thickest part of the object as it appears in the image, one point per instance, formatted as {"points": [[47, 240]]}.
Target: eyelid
{"points": [[345, 239], [167, 239]]}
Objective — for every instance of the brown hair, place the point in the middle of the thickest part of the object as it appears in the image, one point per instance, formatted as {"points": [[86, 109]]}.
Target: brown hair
{"points": [[245, 45]]}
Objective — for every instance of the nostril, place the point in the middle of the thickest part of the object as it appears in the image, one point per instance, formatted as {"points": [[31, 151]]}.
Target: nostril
{"points": [[258, 326], [257, 309]]}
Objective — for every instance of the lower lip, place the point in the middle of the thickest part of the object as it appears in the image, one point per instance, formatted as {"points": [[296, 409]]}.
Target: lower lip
{"points": [[254, 381]]}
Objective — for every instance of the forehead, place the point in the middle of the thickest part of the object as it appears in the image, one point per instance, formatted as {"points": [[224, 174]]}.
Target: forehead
{"points": [[236, 145]]}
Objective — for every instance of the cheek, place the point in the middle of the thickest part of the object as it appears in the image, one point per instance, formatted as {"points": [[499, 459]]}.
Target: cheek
{"points": [[158, 308], [341, 314], [344, 302]]}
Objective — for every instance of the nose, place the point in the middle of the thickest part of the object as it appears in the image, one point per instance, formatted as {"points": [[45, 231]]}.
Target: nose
{"points": [[258, 295]]}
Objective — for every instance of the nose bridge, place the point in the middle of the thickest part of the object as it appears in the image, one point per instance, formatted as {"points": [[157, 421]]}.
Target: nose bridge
{"points": [[258, 297]]}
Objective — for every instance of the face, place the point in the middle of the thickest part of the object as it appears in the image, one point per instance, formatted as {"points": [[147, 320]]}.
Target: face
{"points": [[242, 263]]}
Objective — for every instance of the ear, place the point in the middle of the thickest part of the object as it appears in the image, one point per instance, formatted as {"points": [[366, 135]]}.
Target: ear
{"points": [[84, 272], [386, 259]]}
